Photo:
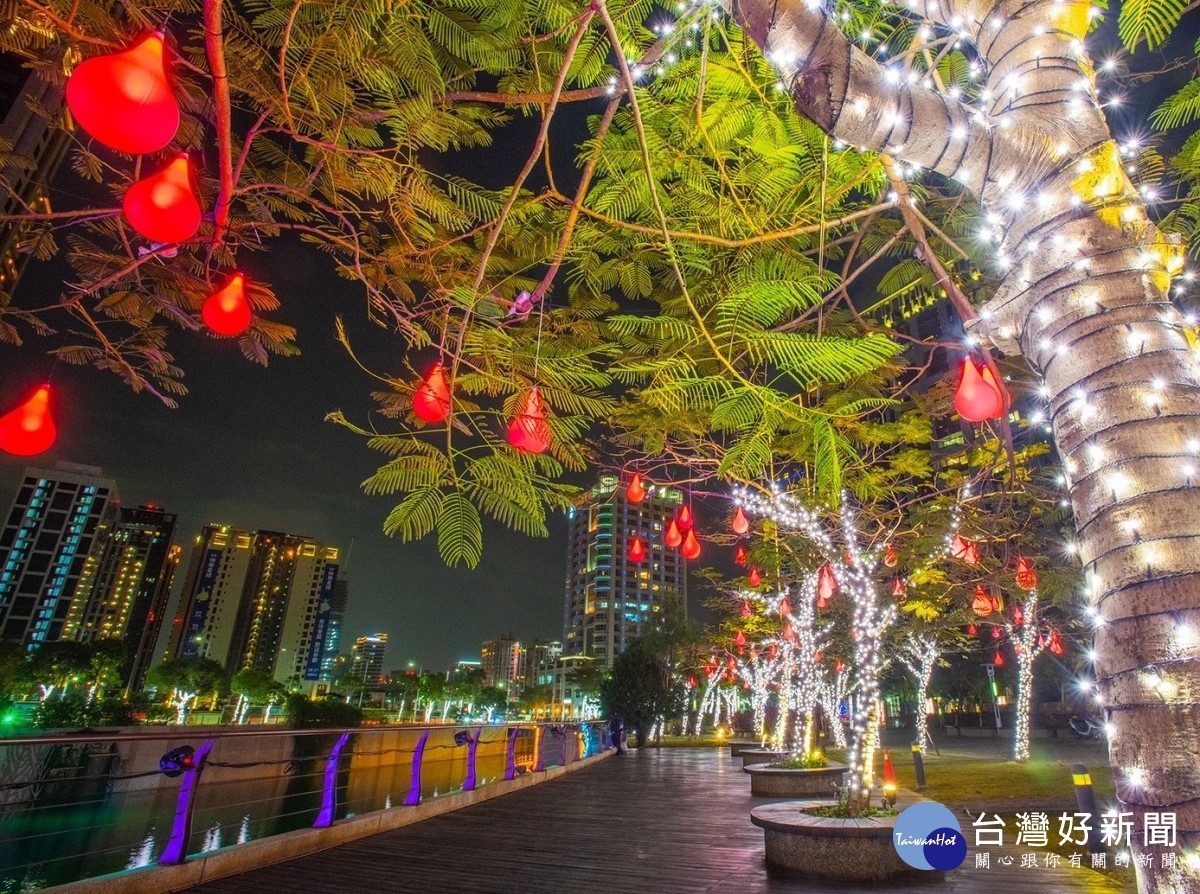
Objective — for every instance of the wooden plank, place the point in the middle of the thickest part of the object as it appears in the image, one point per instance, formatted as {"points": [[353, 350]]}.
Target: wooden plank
{"points": [[670, 821]]}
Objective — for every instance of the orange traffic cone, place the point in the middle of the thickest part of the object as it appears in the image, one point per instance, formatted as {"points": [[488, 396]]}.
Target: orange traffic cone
{"points": [[889, 779]]}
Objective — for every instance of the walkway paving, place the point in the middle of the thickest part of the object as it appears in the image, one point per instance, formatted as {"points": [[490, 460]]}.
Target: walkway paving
{"points": [[669, 821]]}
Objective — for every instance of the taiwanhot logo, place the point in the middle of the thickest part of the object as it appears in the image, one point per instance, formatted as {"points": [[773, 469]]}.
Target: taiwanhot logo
{"points": [[927, 836]]}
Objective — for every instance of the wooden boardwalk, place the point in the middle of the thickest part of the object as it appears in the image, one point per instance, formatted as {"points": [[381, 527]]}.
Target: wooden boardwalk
{"points": [[669, 821]]}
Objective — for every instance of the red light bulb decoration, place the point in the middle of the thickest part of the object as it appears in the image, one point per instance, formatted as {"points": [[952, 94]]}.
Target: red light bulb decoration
{"points": [[818, 657], [755, 577], [28, 429], [740, 524], [839, 667], [431, 402], [691, 546], [978, 397], [684, 518], [1056, 645], [635, 493], [898, 588], [890, 559], [789, 634], [996, 633], [672, 537], [226, 311], [1018, 615], [124, 100], [785, 608], [972, 629], [529, 432], [1026, 576], [740, 640], [740, 557], [164, 207], [998, 659], [637, 550], [746, 610]]}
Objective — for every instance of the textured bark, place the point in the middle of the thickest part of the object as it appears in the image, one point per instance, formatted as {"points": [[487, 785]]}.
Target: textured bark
{"points": [[1084, 298]]}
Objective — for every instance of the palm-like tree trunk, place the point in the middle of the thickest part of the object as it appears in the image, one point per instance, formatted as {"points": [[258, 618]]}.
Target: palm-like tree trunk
{"points": [[1085, 299]]}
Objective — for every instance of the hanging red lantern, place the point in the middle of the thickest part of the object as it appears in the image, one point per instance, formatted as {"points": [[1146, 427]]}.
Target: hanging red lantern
{"points": [[124, 99], [637, 550], [972, 629], [691, 682], [818, 657], [996, 634], [998, 387], [773, 651], [789, 634], [839, 667], [672, 538], [684, 518], [635, 493], [164, 207], [29, 429], [431, 402], [964, 549], [998, 660], [1026, 576], [898, 589], [785, 608], [982, 603], [746, 611], [740, 639], [1018, 615], [822, 602], [691, 546], [740, 557], [755, 577], [1018, 648], [227, 312], [741, 524], [529, 432], [827, 584], [977, 398], [890, 559], [1056, 645], [731, 664]]}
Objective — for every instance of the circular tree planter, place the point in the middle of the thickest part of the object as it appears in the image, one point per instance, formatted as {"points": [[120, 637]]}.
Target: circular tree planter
{"points": [[853, 850], [762, 756], [736, 748], [779, 782]]}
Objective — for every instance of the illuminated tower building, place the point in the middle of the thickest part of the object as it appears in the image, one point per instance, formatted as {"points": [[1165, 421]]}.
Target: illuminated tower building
{"points": [[44, 546], [366, 664], [504, 664], [257, 600], [125, 584], [610, 599], [333, 631]]}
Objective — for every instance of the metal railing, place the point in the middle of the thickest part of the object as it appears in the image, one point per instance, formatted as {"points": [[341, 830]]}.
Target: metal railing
{"points": [[79, 806]]}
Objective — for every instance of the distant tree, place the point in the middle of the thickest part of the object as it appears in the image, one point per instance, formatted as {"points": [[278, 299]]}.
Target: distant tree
{"points": [[535, 700], [641, 689], [104, 661], [187, 678], [254, 686], [53, 667], [330, 713]]}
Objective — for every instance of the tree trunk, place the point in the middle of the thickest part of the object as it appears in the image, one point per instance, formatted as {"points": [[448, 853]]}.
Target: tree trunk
{"points": [[1085, 299]]}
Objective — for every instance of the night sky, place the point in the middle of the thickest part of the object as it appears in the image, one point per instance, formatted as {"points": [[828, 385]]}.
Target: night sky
{"points": [[249, 447]]}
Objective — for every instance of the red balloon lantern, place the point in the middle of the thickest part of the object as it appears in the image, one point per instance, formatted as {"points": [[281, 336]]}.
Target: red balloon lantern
{"points": [[740, 639], [28, 429], [996, 634], [124, 99], [998, 660], [740, 557], [785, 608], [982, 603], [1056, 645], [773, 651], [1026, 576], [890, 559], [789, 633], [972, 629], [529, 432], [431, 402], [691, 546], [746, 610], [1018, 615], [163, 207], [978, 397], [741, 524], [839, 667], [635, 493], [967, 550], [898, 589], [672, 538], [637, 550], [685, 518], [755, 577], [826, 585], [226, 311], [818, 657]]}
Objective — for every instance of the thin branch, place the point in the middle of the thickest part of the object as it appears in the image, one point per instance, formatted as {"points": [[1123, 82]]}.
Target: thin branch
{"points": [[214, 50]]}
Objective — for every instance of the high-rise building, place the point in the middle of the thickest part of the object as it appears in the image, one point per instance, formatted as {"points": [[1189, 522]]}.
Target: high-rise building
{"points": [[540, 663], [36, 135], [333, 632], [45, 544], [504, 664], [257, 600], [366, 662], [610, 599], [125, 584]]}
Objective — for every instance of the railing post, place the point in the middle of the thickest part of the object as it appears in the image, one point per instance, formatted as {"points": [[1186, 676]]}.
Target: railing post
{"points": [[414, 793], [472, 744], [181, 829], [510, 755], [538, 733], [329, 794]]}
